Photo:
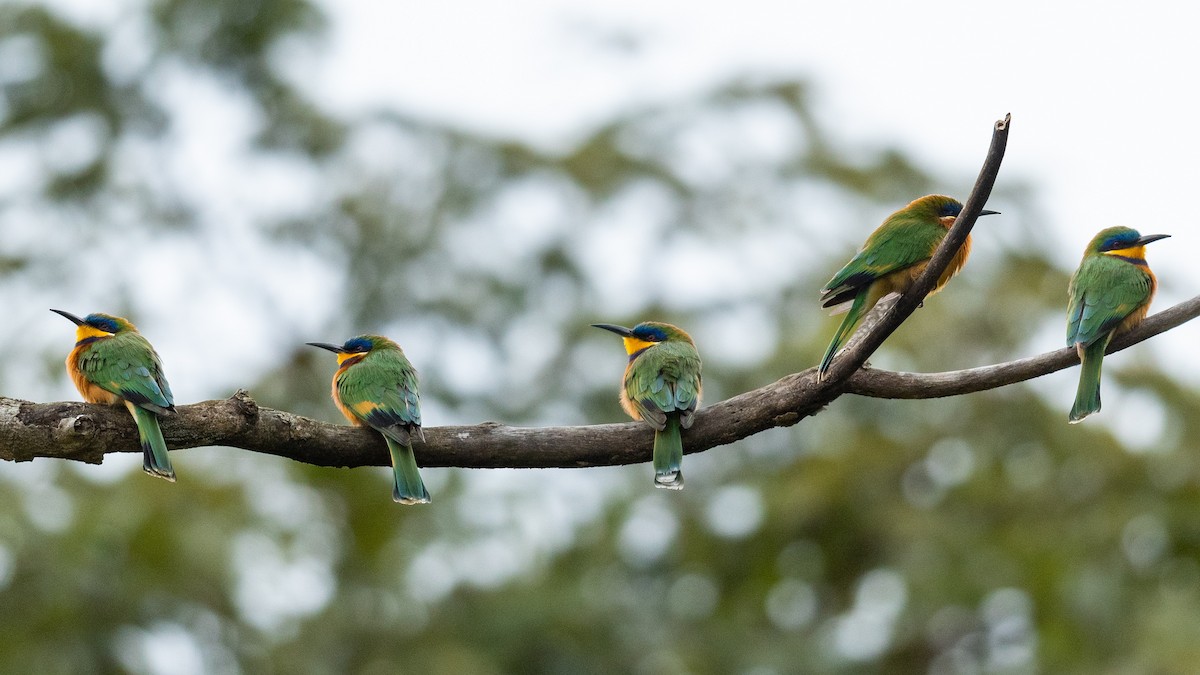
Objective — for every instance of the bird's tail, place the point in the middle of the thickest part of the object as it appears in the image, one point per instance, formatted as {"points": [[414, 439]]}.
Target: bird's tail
{"points": [[843, 332], [1087, 397], [668, 456], [407, 487], [155, 460]]}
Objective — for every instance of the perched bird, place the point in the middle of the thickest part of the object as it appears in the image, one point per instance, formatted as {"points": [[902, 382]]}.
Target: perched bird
{"points": [[662, 389], [1110, 293], [113, 364], [893, 257], [375, 385]]}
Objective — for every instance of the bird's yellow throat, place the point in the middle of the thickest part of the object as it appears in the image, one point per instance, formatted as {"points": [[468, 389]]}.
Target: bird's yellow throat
{"points": [[1134, 252], [343, 357], [85, 331], [634, 345]]}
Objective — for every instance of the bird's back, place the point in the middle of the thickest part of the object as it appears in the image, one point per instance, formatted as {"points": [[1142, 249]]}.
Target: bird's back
{"points": [[663, 379], [899, 243], [124, 365], [382, 392]]}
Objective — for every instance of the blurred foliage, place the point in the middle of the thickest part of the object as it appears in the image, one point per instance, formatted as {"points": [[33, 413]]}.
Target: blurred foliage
{"points": [[975, 534]]}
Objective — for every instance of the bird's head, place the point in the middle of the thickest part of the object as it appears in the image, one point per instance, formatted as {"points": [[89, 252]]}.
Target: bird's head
{"points": [[646, 334], [1125, 242], [356, 348], [940, 207], [96, 325]]}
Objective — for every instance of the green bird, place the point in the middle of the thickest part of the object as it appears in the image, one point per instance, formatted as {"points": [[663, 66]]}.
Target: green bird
{"points": [[375, 385], [661, 388], [1110, 293], [893, 257], [113, 364]]}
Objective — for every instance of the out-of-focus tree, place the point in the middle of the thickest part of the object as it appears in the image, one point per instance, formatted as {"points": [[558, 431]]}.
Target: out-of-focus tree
{"points": [[161, 162]]}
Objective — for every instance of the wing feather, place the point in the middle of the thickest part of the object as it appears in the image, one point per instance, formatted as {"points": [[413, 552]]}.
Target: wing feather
{"points": [[1103, 292], [896, 245], [382, 391], [665, 379], [127, 365]]}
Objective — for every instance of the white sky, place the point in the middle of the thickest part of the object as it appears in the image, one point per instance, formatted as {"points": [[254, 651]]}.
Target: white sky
{"points": [[1102, 95]]}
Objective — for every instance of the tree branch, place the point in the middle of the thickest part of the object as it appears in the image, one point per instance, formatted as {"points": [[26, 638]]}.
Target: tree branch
{"points": [[858, 351], [87, 432], [888, 384]]}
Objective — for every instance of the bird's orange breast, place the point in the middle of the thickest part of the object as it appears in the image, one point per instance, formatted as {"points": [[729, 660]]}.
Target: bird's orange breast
{"points": [[88, 389], [337, 399], [626, 404], [956, 264]]}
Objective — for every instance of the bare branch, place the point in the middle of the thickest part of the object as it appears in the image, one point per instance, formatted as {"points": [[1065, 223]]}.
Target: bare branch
{"points": [[86, 432], [887, 384], [857, 353]]}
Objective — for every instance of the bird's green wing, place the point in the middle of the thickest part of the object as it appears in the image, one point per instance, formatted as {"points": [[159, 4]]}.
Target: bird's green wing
{"points": [[126, 365], [382, 391], [665, 379], [894, 246], [1103, 292]]}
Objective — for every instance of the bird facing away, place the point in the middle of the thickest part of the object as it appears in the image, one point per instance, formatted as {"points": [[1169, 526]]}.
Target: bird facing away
{"points": [[892, 258], [662, 389], [113, 364], [375, 385], [1110, 293]]}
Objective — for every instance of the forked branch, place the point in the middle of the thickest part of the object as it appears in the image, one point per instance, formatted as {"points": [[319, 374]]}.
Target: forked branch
{"points": [[87, 432]]}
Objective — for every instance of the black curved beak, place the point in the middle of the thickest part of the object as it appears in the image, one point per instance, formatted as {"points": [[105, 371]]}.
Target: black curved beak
{"points": [[1142, 241], [619, 330], [71, 317], [336, 349], [986, 212]]}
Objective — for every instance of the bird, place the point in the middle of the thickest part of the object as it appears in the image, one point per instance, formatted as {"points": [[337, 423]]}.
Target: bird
{"points": [[890, 261], [662, 388], [375, 385], [113, 364], [1110, 293]]}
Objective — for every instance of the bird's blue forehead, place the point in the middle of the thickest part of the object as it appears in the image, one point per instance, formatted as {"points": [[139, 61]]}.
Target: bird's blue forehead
{"points": [[358, 344], [1121, 239], [649, 333], [101, 322]]}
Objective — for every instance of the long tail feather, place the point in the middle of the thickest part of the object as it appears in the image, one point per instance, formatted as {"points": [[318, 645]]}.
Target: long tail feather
{"points": [[668, 456], [407, 488], [1087, 397], [843, 332], [155, 460]]}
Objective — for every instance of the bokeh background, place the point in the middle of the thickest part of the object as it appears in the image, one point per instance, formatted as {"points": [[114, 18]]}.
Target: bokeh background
{"points": [[481, 181]]}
